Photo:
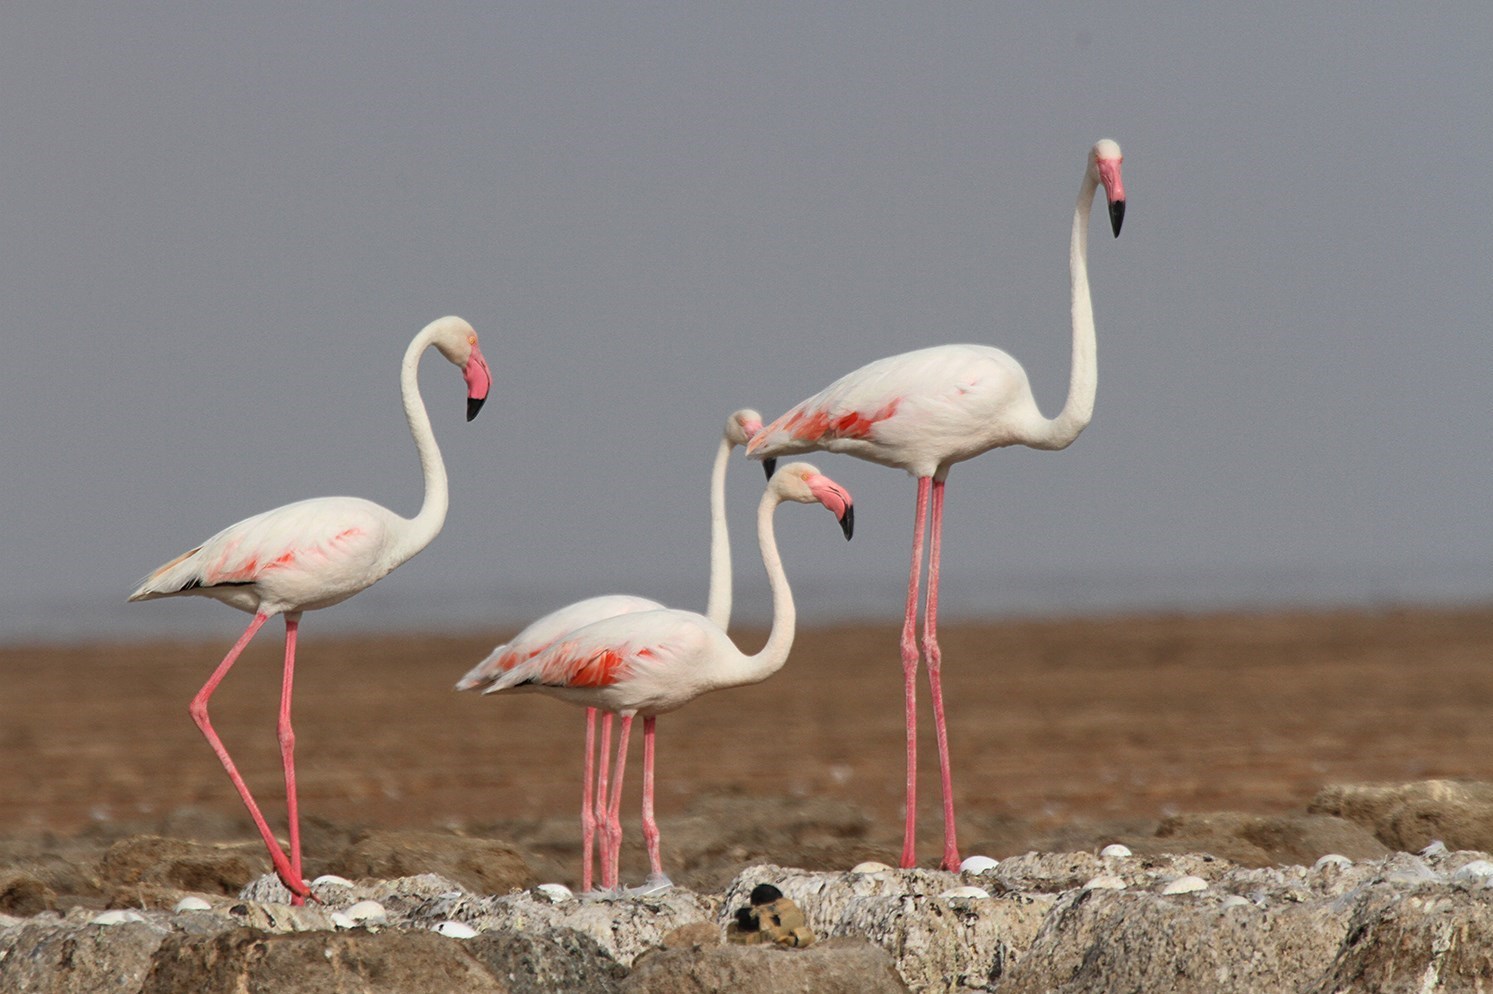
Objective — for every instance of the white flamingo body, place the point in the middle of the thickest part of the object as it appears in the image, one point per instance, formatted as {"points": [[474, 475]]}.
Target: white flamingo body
{"points": [[643, 664], [652, 662], [544, 632], [926, 410], [921, 411], [312, 554], [300, 557]]}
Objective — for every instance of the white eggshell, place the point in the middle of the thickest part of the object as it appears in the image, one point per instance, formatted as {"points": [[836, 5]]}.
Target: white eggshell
{"points": [[368, 912], [1185, 885], [978, 864]]}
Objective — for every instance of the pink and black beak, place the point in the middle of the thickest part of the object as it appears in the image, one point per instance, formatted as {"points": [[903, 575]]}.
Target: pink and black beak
{"points": [[1114, 192], [837, 499], [479, 381]]}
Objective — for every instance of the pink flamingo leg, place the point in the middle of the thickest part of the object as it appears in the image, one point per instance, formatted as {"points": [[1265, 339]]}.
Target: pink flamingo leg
{"points": [[650, 826], [910, 675], [614, 814], [599, 808], [286, 734], [935, 660], [198, 711], [588, 809]]}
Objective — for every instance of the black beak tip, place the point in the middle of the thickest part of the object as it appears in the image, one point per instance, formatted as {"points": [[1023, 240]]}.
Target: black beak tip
{"points": [[847, 523], [1116, 216], [474, 404], [769, 466]]}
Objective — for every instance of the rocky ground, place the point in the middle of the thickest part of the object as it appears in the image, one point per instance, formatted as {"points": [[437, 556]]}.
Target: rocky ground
{"points": [[1324, 900], [1305, 800]]}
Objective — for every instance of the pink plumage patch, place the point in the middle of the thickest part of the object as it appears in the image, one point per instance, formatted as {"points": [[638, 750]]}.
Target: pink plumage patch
{"points": [[602, 668], [814, 425]]}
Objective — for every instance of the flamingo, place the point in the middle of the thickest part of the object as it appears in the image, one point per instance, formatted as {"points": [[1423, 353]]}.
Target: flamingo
{"points": [[926, 410], [313, 554], [652, 662], [540, 634]]}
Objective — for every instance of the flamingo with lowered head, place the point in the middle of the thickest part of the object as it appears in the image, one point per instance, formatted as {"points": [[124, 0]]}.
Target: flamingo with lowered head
{"points": [[542, 633], [313, 554], [652, 662], [926, 410]]}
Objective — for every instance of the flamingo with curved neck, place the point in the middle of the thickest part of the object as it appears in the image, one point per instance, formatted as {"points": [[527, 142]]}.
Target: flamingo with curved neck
{"points": [[313, 554], [543, 632], [926, 410], [652, 662]]}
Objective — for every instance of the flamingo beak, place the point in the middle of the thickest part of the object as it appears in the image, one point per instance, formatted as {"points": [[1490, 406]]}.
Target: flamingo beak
{"points": [[1114, 191], [479, 381], [769, 466], [837, 499]]}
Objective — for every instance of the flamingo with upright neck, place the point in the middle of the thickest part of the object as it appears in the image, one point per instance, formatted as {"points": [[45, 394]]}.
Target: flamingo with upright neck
{"points": [[652, 662], [543, 632], [926, 410], [313, 554]]}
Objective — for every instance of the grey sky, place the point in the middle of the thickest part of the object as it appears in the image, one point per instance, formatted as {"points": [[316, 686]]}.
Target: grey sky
{"points": [[221, 227]]}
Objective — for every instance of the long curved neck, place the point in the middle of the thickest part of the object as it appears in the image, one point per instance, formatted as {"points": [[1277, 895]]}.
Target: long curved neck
{"points": [[425, 525], [718, 604], [774, 653], [1083, 381]]}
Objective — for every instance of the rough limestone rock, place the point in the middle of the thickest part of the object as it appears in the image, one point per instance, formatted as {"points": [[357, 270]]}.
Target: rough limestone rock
{"points": [[1424, 939], [482, 866], [834, 966], [247, 960], [1113, 940], [48, 955], [1411, 816], [938, 943], [557, 960], [623, 927]]}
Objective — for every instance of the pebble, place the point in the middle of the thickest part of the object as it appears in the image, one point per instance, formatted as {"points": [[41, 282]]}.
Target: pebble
{"points": [[192, 903], [978, 864], [1115, 851], [1185, 885]]}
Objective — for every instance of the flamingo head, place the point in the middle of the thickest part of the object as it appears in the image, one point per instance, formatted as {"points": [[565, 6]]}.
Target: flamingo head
{"points": [[741, 426], [456, 340], [1105, 160], [801, 482]]}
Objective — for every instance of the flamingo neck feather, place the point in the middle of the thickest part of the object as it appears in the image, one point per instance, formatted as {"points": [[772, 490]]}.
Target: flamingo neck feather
{"points": [[718, 604], [425, 525], [1078, 409], [774, 653]]}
